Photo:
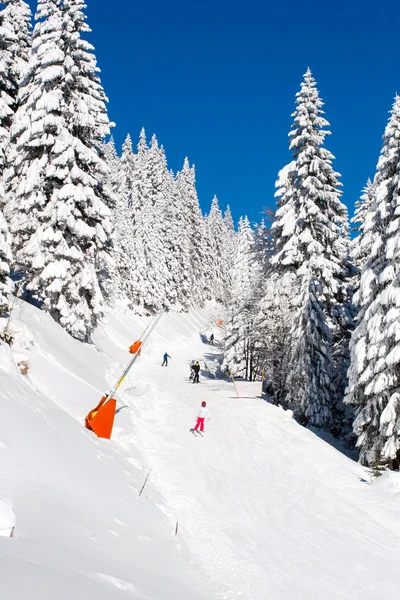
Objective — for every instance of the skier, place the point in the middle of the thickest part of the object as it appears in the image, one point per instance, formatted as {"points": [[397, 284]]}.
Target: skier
{"points": [[211, 340], [203, 412], [196, 372], [166, 357], [191, 370]]}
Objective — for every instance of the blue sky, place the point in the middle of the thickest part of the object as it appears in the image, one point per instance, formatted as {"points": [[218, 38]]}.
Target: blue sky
{"points": [[216, 80]]}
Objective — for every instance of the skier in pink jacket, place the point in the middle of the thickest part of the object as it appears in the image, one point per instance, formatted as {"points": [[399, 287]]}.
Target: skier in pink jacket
{"points": [[203, 412]]}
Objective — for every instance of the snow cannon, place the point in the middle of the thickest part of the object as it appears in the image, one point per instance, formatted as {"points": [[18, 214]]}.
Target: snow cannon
{"points": [[100, 420], [136, 347]]}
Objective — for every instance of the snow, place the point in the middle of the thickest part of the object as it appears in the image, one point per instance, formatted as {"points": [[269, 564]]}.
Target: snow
{"points": [[266, 510], [7, 517]]}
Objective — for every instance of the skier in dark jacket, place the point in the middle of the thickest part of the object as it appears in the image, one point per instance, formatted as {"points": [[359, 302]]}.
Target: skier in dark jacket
{"points": [[211, 340], [196, 371], [166, 357]]}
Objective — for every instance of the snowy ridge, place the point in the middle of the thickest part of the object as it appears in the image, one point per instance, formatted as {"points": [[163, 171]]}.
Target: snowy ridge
{"points": [[266, 510]]}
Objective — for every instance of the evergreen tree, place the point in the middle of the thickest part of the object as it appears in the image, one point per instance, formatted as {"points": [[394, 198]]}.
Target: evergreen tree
{"points": [[218, 252], [110, 154], [359, 251], [274, 325], [149, 271], [239, 356], [56, 199], [195, 231], [18, 16], [15, 20], [311, 242], [122, 174], [230, 242], [6, 286], [9, 81], [176, 245], [374, 380]]}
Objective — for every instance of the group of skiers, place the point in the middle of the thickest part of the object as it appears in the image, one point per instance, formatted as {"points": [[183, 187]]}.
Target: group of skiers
{"points": [[194, 368], [195, 377]]}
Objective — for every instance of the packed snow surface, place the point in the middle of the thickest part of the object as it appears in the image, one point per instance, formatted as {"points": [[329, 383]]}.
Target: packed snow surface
{"points": [[265, 509]]}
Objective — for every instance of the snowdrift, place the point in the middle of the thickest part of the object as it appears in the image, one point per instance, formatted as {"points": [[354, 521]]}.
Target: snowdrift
{"points": [[265, 509]]}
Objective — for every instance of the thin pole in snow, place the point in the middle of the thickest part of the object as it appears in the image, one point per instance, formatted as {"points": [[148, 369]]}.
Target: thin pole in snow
{"points": [[144, 485], [234, 383], [262, 380]]}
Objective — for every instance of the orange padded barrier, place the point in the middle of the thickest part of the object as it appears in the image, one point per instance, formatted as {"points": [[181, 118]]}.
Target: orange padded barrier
{"points": [[100, 420], [135, 347]]}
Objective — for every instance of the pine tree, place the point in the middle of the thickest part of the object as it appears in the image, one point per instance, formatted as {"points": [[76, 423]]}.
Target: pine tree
{"points": [[15, 20], [195, 232], [218, 252], [18, 16], [120, 182], [363, 206], [311, 241], [239, 355], [374, 376], [6, 286], [176, 245], [149, 271], [56, 199], [273, 326], [230, 235]]}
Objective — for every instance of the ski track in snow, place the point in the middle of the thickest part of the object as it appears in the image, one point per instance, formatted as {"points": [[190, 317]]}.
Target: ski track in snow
{"points": [[266, 510], [261, 502]]}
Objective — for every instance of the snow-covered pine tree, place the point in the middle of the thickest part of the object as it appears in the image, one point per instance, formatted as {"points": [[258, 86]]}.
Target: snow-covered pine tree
{"points": [[15, 23], [56, 200], [110, 157], [18, 15], [273, 327], [374, 375], [311, 240], [239, 355], [175, 243], [195, 231], [359, 251], [110, 152], [6, 285], [149, 271], [218, 253], [120, 183], [263, 248], [228, 220]]}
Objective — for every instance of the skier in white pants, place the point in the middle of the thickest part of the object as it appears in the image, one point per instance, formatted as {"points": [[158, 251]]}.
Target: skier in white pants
{"points": [[203, 412]]}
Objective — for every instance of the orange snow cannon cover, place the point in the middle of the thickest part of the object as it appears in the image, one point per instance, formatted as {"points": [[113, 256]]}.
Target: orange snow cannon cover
{"points": [[135, 348], [100, 420]]}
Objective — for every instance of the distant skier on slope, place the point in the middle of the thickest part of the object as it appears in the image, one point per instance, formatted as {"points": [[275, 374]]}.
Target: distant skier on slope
{"points": [[196, 372], [166, 357], [211, 340], [191, 370], [203, 412]]}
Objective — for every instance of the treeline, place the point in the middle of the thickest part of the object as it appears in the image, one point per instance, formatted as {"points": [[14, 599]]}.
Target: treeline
{"points": [[321, 313], [81, 227]]}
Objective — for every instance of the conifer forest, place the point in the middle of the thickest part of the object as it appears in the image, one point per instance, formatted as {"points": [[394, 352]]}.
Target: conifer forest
{"points": [[311, 295]]}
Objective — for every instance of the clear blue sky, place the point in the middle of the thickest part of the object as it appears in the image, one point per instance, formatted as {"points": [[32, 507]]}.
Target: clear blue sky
{"points": [[216, 80]]}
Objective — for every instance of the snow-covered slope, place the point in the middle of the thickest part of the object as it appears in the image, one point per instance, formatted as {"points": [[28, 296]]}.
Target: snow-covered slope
{"points": [[266, 510]]}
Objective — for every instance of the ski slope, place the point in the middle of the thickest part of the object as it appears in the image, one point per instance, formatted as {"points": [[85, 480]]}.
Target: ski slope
{"points": [[265, 509]]}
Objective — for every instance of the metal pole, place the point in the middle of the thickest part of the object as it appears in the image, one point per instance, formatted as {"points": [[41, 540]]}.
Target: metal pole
{"points": [[134, 358]]}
